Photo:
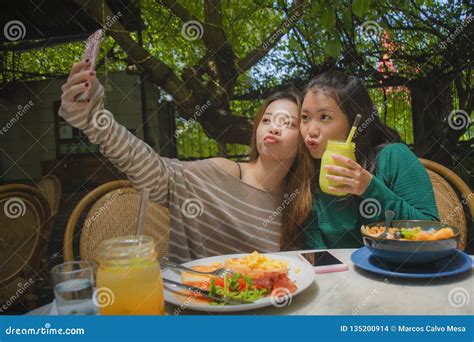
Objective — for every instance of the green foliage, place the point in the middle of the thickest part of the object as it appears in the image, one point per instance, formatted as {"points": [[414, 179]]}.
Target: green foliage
{"points": [[347, 20], [333, 47], [360, 7], [327, 31], [328, 17], [193, 143], [395, 111], [58, 60]]}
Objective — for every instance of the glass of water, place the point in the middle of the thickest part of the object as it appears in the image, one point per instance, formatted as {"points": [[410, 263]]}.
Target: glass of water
{"points": [[73, 288]]}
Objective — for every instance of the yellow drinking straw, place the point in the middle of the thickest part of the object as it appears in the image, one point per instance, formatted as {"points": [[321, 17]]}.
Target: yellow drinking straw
{"points": [[353, 129]]}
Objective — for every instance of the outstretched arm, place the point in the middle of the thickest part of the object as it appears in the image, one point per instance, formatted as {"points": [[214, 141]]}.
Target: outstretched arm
{"points": [[142, 165]]}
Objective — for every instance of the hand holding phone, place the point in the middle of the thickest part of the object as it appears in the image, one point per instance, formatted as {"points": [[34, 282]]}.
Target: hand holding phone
{"points": [[91, 52], [323, 262]]}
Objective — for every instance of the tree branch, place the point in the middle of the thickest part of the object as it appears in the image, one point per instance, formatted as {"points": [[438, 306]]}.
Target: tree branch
{"points": [[227, 128], [215, 39], [159, 72], [220, 62], [303, 47], [415, 29], [272, 39], [178, 10], [214, 34], [433, 20]]}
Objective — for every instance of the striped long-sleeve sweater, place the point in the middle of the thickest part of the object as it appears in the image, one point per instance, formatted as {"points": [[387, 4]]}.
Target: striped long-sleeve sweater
{"points": [[211, 211]]}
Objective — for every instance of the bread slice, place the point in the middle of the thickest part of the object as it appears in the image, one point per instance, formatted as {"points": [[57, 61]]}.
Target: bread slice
{"points": [[188, 278]]}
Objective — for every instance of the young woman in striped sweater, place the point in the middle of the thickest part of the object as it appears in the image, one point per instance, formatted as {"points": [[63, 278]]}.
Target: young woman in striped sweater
{"points": [[385, 176], [217, 206]]}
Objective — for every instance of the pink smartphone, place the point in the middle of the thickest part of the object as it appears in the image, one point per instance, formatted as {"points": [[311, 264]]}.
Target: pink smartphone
{"points": [[91, 52], [323, 262]]}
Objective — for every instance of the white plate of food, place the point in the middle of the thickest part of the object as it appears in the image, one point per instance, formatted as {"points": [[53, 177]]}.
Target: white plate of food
{"points": [[261, 279]]}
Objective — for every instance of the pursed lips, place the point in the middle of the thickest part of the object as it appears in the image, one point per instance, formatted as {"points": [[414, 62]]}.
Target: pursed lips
{"points": [[271, 139], [312, 144]]}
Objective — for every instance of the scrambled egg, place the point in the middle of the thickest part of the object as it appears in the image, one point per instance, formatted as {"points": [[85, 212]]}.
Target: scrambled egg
{"points": [[257, 261]]}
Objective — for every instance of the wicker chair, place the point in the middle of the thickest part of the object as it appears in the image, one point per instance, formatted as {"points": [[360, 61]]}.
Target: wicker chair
{"points": [[451, 210], [113, 212], [50, 186], [24, 221]]}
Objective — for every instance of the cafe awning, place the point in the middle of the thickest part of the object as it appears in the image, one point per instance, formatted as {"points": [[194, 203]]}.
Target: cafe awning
{"points": [[33, 24]]}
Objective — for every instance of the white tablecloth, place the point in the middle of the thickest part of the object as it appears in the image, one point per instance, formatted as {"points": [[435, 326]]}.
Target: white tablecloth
{"points": [[358, 292]]}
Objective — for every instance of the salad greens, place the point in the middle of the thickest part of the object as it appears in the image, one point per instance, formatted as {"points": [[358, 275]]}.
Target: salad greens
{"points": [[408, 233], [236, 287]]}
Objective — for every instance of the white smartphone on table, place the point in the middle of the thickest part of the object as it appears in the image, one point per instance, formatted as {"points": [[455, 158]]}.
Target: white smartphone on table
{"points": [[323, 262]]}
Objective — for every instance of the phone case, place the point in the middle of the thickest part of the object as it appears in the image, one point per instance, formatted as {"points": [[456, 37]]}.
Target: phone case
{"points": [[330, 268], [325, 269], [91, 52]]}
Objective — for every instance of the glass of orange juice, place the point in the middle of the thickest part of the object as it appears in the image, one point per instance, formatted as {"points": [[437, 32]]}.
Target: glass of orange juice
{"points": [[337, 147], [129, 278]]}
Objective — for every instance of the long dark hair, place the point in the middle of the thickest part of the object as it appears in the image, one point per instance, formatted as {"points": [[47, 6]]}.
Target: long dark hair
{"points": [[353, 98], [298, 179]]}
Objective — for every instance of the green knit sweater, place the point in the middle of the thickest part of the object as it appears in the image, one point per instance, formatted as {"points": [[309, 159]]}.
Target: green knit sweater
{"points": [[400, 183]]}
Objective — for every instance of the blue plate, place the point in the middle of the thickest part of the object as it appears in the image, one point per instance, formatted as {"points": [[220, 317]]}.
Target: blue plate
{"points": [[458, 262]]}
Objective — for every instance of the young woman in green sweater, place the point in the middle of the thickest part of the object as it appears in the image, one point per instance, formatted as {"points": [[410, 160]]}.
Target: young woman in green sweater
{"points": [[385, 176]]}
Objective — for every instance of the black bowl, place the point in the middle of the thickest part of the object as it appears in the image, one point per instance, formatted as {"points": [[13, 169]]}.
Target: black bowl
{"points": [[408, 251]]}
